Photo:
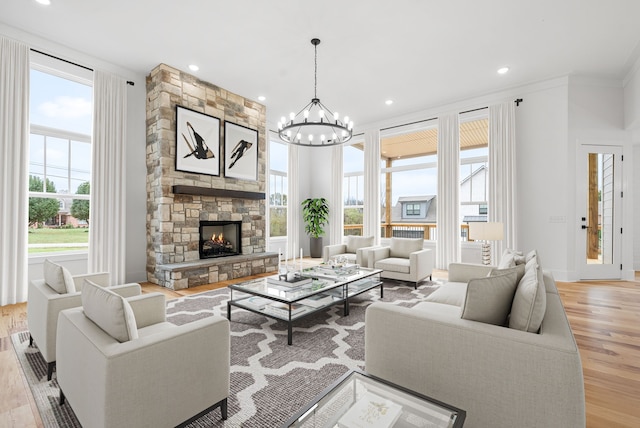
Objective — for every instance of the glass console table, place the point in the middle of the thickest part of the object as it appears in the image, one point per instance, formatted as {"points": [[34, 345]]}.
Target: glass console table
{"points": [[360, 400], [320, 288]]}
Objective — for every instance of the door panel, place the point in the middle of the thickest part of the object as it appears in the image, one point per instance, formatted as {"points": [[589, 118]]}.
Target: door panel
{"points": [[599, 207]]}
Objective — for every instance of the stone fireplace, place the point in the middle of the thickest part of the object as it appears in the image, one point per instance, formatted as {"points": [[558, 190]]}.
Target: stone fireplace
{"points": [[178, 201], [219, 239]]}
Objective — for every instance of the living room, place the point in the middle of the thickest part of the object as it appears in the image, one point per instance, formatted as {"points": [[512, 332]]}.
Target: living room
{"points": [[560, 113]]}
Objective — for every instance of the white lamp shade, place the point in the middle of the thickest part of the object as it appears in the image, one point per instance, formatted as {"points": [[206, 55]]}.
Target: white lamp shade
{"points": [[486, 231]]}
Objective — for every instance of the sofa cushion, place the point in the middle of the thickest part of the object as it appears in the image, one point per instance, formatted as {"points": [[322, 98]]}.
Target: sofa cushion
{"points": [[451, 293], [510, 258], [402, 247], [530, 299], [393, 264], [58, 278], [109, 311], [489, 299], [518, 269], [356, 242]]}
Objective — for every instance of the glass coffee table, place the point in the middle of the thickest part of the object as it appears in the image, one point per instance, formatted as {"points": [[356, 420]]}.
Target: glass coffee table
{"points": [[314, 290], [359, 400]]}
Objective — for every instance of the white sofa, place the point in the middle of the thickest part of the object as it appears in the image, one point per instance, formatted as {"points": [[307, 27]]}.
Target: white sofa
{"points": [[45, 301], [502, 377], [355, 250], [121, 364], [403, 259]]}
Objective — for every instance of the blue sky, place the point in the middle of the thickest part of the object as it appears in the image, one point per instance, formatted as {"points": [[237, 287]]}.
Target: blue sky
{"points": [[63, 104]]}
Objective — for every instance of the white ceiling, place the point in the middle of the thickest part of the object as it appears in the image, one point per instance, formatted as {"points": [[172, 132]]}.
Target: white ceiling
{"points": [[419, 53]]}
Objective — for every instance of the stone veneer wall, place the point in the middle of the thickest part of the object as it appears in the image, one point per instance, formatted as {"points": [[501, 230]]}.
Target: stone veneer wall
{"points": [[173, 219]]}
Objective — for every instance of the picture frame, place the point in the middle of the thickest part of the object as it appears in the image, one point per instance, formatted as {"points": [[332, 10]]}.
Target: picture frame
{"points": [[197, 142], [240, 152]]}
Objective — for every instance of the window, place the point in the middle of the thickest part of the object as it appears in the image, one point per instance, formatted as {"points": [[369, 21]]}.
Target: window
{"points": [[412, 209], [474, 170], [409, 180], [278, 188], [353, 188], [61, 110]]}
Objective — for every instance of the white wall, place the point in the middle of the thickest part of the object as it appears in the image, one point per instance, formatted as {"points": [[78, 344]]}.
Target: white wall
{"points": [[632, 124], [136, 160]]}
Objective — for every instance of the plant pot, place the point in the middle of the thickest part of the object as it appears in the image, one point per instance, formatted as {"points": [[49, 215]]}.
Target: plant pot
{"points": [[315, 247]]}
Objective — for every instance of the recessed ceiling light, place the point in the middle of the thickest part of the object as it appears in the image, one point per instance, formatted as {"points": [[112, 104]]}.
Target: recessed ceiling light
{"points": [[44, 2], [503, 70], [262, 98], [194, 67], [388, 102]]}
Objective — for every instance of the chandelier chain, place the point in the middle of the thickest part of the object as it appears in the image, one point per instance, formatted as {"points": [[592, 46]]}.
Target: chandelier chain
{"points": [[315, 74]]}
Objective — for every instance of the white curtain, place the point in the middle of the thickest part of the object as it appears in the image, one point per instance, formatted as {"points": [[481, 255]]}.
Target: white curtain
{"points": [[502, 174], [448, 222], [14, 167], [107, 249], [336, 219], [371, 217], [293, 202]]}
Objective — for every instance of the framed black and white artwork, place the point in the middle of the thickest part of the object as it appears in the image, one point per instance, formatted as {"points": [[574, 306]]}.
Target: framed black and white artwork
{"points": [[240, 152], [197, 142]]}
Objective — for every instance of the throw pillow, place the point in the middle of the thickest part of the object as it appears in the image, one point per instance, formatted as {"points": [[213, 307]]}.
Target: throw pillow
{"points": [[402, 247], [354, 243], [530, 300], [518, 269], [109, 311], [510, 258], [58, 278], [489, 299]]}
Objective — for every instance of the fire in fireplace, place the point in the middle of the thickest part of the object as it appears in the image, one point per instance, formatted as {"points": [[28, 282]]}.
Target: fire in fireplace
{"points": [[220, 238]]}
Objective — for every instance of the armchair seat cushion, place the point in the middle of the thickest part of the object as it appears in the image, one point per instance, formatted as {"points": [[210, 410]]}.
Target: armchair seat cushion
{"points": [[393, 264], [155, 328]]}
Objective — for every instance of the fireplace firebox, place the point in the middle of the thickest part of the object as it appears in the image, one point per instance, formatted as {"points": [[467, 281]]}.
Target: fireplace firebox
{"points": [[220, 238]]}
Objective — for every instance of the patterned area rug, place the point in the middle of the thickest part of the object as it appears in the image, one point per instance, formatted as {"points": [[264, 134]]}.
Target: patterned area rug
{"points": [[270, 380]]}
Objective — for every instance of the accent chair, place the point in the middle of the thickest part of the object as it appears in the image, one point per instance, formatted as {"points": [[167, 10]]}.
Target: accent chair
{"points": [[120, 363], [403, 259], [59, 290], [355, 250]]}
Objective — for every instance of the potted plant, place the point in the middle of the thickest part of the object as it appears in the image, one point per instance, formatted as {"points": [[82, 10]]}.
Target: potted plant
{"points": [[315, 213]]}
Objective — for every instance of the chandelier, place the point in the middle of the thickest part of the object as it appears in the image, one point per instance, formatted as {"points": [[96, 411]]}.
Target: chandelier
{"points": [[315, 125]]}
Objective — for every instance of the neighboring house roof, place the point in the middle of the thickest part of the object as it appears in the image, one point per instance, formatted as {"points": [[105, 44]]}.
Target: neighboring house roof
{"points": [[473, 174], [415, 198], [474, 218]]}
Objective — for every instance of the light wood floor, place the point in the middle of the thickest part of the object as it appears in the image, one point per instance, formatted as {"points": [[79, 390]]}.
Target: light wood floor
{"points": [[604, 316]]}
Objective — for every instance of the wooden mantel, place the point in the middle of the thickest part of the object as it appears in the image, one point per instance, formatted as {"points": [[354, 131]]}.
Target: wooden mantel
{"points": [[223, 193]]}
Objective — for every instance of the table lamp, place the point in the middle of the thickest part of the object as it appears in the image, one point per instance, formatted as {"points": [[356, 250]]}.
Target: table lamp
{"points": [[486, 231]]}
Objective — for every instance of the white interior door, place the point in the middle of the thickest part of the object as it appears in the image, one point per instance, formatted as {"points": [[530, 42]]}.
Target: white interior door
{"points": [[599, 191]]}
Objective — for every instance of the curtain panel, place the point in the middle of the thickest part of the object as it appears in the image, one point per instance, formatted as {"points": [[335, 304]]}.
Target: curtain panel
{"points": [[107, 249], [336, 218], [293, 202], [371, 218], [448, 224], [502, 174], [14, 170]]}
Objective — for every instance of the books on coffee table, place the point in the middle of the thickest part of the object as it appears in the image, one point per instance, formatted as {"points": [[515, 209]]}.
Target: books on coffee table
{"points": [[317, 300], [371, 411], [282, 309]]}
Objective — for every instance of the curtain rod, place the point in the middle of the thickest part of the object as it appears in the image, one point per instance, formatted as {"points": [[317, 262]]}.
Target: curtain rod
{"points": [[129, 82], [406, 124]]}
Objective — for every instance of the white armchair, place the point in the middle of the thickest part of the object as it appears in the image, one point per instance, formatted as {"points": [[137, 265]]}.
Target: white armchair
{"points": [[120, 363], [44, 303], [355, 250], [404, 259]]}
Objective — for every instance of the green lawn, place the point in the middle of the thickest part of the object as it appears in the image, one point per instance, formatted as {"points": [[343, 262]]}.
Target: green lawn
{"points": [[58, 236], [44, 240]]}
